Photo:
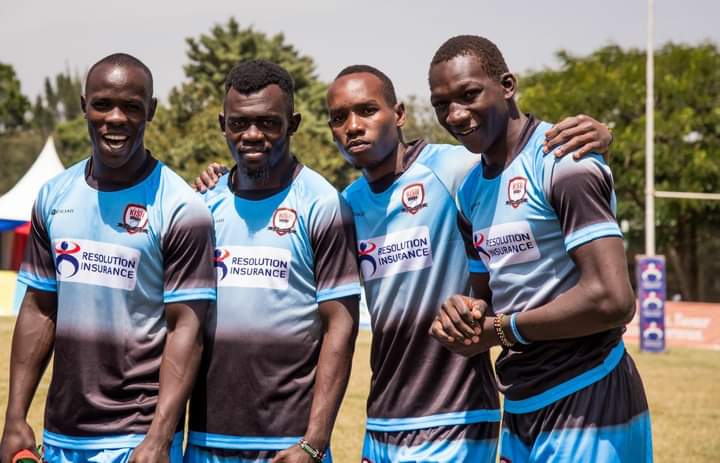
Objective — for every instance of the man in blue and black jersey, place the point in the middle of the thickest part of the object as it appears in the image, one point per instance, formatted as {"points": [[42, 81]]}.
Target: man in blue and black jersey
{"points": [[547, 255], [281, 339], [119, 274], [426, 403]]}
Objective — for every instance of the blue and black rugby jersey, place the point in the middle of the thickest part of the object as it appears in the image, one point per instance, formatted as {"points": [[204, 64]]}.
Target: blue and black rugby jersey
{"points": [[412, 258], [114, 258], [276, 259], [520, 227]]}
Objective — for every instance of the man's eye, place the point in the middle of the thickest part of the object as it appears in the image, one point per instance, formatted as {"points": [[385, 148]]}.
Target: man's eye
{"points": [[368, 111], [269, 124], [237, 125], [337, 119], [470, 95]]}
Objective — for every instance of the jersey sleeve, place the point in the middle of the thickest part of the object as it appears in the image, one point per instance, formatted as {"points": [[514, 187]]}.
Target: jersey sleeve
{"points": [[581, 193], [38, 267], [333, 244], [188, 245], [475, 263]]}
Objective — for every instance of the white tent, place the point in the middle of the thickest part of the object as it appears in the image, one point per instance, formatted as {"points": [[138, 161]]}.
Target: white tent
{"points": [[16, 204]]}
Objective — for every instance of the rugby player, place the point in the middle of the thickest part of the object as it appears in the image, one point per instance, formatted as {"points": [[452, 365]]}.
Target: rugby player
{"points": [[280, 343], [547, 256], [425, 403], [119, 274]]}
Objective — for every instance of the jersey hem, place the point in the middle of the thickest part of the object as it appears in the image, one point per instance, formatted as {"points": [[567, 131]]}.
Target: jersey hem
{"points": [[224, 441], [42, 285], [432, 421], [194, 294], [98, 442], [590, 233], [339, 292], [562, 390]]}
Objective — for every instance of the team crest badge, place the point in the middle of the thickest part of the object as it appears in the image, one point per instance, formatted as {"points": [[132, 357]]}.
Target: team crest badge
{"points": [[283, 221], [135, 219], [517, 191], [413, 198]]}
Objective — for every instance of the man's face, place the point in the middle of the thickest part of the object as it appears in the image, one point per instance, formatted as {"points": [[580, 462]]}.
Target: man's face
{"points": [[364, 125], [468, 103], [117, 105], [257, 128]]}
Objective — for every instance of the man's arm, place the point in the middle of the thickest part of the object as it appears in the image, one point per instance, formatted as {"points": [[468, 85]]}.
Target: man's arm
{"points": [[340, 326], [179, 365], [33, 340]]}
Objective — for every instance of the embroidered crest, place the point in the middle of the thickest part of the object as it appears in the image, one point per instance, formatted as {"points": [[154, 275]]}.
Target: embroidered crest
{"points": [[283, 221], [413, 198], [517, 191], [135, 219]]}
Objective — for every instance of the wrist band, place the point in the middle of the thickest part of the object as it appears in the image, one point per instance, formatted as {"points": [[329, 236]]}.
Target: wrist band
{"points": [[515, 331], [314, 453], [497, 323]]}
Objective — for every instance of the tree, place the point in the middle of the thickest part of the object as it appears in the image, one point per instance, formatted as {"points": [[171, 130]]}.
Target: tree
{"points": [[13, 104], [609, 84], [60, 102]]}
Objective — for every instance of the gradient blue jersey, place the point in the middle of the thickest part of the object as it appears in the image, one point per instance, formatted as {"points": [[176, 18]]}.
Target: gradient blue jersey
{"points": [[276, 259], [114, 258], [522, 225], [412, 258]]}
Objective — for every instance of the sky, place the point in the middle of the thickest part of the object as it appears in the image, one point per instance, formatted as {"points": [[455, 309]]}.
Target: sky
{"points": [[41, 38]]}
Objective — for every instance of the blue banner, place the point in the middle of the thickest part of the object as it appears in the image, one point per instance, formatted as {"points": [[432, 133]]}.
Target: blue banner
{"points": [[650, 273]]}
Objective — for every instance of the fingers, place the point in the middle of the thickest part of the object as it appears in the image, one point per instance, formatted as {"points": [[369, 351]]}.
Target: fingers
{"points": [[562, 138], [218, 168], [457, 312], [198, 185], [563, 125]]}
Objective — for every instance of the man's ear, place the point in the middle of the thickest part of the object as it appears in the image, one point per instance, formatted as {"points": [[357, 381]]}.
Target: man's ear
{"points": [[509, 84], [153, 108], [400, 114], [295, 120], [83, 106], [221, 122]]}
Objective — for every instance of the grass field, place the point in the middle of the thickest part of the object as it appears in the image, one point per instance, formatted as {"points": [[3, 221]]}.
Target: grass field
{"points": [[683, 388]]}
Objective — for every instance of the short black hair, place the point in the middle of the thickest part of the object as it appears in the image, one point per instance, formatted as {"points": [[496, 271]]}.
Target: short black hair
{"points": [[122, 59], [487, 52], [254, 75], [388, 87]]}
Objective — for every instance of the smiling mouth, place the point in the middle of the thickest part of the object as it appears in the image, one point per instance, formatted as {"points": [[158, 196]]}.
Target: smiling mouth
{"points": [[465, 132], [115, 141]]}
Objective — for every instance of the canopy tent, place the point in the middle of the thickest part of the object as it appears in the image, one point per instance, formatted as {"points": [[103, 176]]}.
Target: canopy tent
{"points": [[16, 204]]}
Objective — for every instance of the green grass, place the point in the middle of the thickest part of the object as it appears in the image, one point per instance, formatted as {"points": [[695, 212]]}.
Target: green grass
{"points": [[683, 388]]}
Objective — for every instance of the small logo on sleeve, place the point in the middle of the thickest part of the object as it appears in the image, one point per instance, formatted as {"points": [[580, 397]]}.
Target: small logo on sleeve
{"points": [[413, 198], [283, 221], [135, 219], [517, 192]]}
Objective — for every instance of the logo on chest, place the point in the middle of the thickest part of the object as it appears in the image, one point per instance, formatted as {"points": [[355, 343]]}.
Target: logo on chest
{"points": [[517, 192], [413, 198], [396, 252], [135, 219], [506, 244], [283, 221], [253, 267], [96, 263]]}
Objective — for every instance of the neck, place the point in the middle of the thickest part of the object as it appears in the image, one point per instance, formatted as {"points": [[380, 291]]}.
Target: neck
{"points": [[502, 152], [277, 177], [392, 165], [123, 176]]}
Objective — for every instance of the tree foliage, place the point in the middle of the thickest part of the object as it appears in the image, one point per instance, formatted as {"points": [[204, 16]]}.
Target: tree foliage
{"points": [[609, 84], [13, 104]]}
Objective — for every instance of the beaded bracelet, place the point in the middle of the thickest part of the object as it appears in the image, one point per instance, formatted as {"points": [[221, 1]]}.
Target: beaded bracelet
{"points": [[515, 331], [497, 323], [315, 454]]}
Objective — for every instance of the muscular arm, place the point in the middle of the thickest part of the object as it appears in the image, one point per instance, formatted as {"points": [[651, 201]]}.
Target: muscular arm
{"points": [[32, 345], [179, 365]]}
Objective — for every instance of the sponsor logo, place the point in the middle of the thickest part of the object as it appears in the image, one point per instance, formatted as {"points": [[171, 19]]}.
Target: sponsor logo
{"points": [[96, 263], [413, 198], [64, 253], [220, 256], [396, 252], [253, 267], [61, 211], [135, 219], [517, 191], [478, 242], [283, 221], [506, 244]]}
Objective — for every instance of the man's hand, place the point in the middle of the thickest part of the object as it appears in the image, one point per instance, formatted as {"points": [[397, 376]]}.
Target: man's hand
{"points": [[477, 345], [151, 451], [293, 454], [460, 319], [209, 178], [581, 134], [18, 435]]}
